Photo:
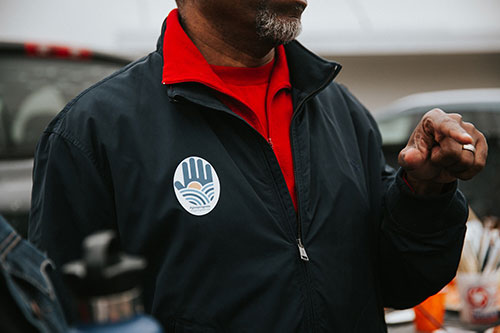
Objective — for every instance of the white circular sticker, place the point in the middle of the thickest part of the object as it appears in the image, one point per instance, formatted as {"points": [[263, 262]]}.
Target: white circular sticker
{"points": [[196, 185]]}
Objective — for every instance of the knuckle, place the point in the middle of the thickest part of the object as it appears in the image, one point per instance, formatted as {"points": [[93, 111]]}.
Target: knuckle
{"points": [[434, 113], [469, 126], [447, 123], [456, 116]]}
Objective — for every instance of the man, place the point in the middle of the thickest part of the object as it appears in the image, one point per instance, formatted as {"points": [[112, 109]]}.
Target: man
{"points": [[253, 183]]}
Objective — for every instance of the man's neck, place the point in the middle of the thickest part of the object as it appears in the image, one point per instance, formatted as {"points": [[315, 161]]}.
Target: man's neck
{"points": [[226, 46]]}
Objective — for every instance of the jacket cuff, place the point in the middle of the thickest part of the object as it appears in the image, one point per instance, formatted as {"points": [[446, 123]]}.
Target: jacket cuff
{"points": [[424, 214]]}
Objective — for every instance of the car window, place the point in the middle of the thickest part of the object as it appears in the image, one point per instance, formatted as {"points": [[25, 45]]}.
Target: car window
{"points": [[397, 128], [34, 90]]}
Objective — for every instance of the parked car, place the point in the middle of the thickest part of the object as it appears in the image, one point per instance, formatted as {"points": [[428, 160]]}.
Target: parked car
{"points": [[36, 82], [478, 106]]}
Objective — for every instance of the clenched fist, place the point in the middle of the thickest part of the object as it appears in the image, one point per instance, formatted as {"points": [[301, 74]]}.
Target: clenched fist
{"points": [[441, 149]]}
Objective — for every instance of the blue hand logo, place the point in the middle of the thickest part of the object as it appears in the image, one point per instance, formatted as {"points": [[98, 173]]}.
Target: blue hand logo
{"points": [[198, 186]]}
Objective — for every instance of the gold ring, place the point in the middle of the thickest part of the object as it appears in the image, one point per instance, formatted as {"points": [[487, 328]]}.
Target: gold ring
{"points": [[469, 147]]}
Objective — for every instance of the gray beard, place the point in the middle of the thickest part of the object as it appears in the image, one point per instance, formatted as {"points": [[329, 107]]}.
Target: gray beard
{"points": [[277, 29]]}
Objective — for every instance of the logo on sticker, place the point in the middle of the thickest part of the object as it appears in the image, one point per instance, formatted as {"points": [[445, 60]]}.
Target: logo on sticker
{"points": [[196, 186], [477, 297]]}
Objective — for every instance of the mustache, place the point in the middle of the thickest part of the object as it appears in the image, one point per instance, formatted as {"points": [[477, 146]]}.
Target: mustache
{"points": [[298, 7]]}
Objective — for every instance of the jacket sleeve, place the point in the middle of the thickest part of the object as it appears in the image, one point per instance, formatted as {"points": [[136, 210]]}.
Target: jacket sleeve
{"points": [[70, 200], [421, 242], [420, 238]]}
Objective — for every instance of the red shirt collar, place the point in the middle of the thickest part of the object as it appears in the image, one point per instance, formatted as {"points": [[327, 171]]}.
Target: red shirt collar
{"points": [[183, 62], [244, 76]]}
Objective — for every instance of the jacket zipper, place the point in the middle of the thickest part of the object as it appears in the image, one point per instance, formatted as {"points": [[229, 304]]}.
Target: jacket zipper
{"points": [[302, 249]]}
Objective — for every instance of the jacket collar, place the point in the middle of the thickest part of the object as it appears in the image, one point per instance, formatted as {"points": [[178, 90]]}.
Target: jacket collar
{"points": [[309, 73]]}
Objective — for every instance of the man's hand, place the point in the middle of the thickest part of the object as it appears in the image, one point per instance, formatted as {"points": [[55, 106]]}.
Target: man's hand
{"points": [[435, 154]]}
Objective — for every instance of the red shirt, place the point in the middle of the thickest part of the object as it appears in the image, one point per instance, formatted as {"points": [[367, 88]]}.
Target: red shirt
{"points": [[260, 95]]}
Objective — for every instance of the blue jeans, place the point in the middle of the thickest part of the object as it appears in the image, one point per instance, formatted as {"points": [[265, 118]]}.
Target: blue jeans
{"points": [[23, 268]]}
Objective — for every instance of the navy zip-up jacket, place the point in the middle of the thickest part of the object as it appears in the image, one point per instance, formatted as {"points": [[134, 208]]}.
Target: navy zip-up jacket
{"points": [[197, 191]]}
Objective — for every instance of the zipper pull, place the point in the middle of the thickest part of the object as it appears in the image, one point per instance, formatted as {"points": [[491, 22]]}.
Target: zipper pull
{"points": [[270, 143], [302, 250]]}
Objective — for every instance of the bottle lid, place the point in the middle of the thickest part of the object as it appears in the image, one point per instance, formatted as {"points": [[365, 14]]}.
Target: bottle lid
{"points": [[104, 269]]}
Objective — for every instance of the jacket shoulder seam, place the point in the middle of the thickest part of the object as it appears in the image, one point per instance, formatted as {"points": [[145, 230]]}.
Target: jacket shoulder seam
{"points": [[67, 137]]}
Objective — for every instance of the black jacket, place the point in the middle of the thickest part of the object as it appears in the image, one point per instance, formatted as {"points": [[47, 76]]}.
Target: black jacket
{"points": [[108, 161]]}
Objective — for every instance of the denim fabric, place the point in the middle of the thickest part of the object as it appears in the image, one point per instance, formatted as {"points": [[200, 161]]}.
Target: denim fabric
{"points": [[24, 270]]}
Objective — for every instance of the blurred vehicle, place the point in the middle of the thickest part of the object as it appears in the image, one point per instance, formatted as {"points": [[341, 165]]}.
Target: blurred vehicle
{"points": [[478, 106], [36, 82]]}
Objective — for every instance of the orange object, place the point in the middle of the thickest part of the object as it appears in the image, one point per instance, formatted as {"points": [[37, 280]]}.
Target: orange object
{"points": [[429, 315]]}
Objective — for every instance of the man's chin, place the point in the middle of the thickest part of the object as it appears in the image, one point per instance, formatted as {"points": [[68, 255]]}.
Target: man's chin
{"points": [[278, 29]]}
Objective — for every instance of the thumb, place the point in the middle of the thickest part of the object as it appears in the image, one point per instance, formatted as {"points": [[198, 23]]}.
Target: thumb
{"points": [[411, 158]]}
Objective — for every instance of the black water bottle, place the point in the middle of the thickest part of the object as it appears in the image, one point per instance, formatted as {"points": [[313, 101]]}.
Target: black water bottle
{"points": [[106, 284]]}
